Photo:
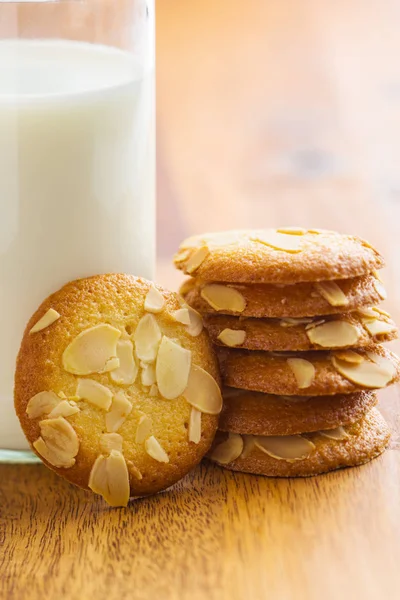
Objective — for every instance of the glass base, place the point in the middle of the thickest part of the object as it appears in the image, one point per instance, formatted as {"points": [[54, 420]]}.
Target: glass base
{"points": [[15, 457]]}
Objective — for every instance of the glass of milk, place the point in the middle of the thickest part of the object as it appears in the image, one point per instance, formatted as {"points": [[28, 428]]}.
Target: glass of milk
{"points": [[77, 165]]}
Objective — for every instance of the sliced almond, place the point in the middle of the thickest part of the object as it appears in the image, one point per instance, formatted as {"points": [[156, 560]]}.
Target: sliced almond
{"points": [[367, 374], [334, 334], [195, 326], [91, 349], [303, 370], [285, 447], [148, 375], [380, 311], [339, 433], [349, 356], [203, 391], [94, 392], [314, 324], [42, 404], [232, 337], [147, 338], [249, 443], [222, 297], [292, 230], [367, 312], [380, 290], [109, 477], [182, 256], [377, 327], [383, 362], [172, 368], [154, 301], [58, 442], [144, 428], [133, 470], [279, 241], [229, 450], [50, 317], [291, 322], [155, 450], [332, 293], [195, 426], [111, 364], [121, 407], [127, 371], [196, 259], [111, 441], [154, 391], [182, 316], [64, 409]]}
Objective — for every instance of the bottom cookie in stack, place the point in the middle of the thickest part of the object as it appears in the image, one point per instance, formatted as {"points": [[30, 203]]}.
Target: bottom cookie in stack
{"points": [[258, 442]]}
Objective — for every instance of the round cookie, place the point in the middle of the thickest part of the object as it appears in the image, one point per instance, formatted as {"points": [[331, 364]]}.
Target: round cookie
{"points": [[309, 373], [332, 332], [285, 256], [116, 386], [316, 453], [265, 414], [278, 301]]}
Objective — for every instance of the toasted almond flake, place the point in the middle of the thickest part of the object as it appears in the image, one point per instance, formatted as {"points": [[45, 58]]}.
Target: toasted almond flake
{"points": [[182, 256], [196, 259], [153, 391], [279, 241], [285, 447], [112, 364], [334, 334], [148, 375], [62, 395], [339, 433], [383, 362], [249, 443], [380, 290], [314, 324], [380, 311], [58, 442], [50, 317], [367, 312], [155, 450], [377, 275], [332, 293], [182, 316], [127, 371], [232, 337], [292, 322], [133, 470], [94, 392], [42, 404], [229, 450], [203, 391], [292, 230], [111, 441], [144, 429], [154, 301], [222, 297], [91, 349], [121, 407], [377, 327], [303, 371], [109, 477], [349, 356], [172, 368], [63, 409], [195, 426], [195, 326], [367, 374], [147, 338]]}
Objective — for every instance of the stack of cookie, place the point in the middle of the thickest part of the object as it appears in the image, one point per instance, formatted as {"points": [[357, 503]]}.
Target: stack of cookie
{"points": [[293, 315]]}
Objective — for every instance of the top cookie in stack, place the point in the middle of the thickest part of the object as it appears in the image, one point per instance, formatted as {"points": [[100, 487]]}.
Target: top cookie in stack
{"points": [[310, 293]]}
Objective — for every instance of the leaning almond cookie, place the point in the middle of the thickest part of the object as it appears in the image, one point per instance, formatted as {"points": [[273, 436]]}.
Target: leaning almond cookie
{"points": [[279, 301], [287, 255], [309, 373], [265, 414], [356, 329], [120, 392], [306, 454]]}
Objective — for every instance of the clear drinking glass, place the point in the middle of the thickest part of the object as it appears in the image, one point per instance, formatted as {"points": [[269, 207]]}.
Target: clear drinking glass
{"points": [[77, 165]]}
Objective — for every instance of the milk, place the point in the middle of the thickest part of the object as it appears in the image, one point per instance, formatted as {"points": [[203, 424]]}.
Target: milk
{"points": [[76, 181]]}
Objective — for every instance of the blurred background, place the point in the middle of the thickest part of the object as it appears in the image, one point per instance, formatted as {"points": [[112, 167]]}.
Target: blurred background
{"points": [[279, 113]]}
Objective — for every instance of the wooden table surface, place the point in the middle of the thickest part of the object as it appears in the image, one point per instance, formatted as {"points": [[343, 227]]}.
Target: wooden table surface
{"points": [[268, 113]]}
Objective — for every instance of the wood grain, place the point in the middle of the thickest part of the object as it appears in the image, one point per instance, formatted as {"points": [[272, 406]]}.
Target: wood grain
{"points": [[268, 113]]}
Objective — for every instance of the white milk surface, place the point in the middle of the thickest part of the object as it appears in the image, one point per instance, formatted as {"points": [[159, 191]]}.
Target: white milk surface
{"points": [[76, 181]]}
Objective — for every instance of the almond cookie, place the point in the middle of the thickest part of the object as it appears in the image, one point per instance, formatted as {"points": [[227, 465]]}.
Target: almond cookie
{"points": [[356, 329], [309, 373], [278, 301], [284, 255], [303, 455], [119, 393], [264, 414]]}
